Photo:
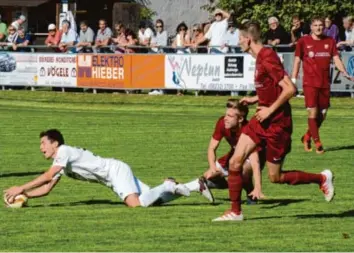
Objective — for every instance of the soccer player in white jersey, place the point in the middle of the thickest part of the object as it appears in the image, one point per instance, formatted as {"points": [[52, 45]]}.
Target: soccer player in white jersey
{"points": [[82, 164]]}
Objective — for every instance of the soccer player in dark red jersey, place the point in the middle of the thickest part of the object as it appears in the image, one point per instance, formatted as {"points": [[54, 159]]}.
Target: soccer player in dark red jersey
{"points": [[316, 51], [271, 127], [230, 127]]}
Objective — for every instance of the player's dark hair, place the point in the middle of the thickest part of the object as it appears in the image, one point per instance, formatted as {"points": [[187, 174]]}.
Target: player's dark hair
{"points": [[235, 104], [53, 135], [252, 29]]}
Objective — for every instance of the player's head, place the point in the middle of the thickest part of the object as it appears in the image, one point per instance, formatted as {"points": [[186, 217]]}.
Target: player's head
{"points": [[235, 114], [51, 140], [250, 32], [317, 26]]}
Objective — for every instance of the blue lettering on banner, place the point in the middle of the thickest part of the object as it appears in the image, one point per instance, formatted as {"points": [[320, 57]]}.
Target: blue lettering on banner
{"points": [[350, 66]]}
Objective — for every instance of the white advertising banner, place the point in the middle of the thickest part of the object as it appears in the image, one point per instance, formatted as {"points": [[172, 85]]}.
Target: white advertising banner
{"points": [[57, 70], [18, 69], [209, 72]]}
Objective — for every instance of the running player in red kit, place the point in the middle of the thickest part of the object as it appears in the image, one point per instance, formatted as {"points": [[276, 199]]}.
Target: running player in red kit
{"points": [[271, 127], [316, 51]]}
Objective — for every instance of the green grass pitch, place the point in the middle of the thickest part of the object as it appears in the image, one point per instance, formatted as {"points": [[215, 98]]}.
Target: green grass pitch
{"points": [[160, 137]]}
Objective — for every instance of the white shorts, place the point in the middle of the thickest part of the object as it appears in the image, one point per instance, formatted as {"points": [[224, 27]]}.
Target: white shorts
{"points": [[123, 181]]}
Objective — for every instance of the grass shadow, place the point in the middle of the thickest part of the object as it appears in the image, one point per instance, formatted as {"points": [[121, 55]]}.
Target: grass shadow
{"points": [[279, 202], [345, 214], [339, 148], [21, 174], [80, 203]]}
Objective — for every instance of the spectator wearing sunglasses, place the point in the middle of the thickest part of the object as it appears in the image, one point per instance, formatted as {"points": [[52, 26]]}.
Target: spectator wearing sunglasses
{"points": [[160, 38], [182, 40], [197, 34], [216, 32], [231, 39]]}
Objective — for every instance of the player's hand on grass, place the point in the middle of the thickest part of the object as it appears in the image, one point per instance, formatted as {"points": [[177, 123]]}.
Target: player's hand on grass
{"points": [[262, 113], [12, 192], [256, 194]]}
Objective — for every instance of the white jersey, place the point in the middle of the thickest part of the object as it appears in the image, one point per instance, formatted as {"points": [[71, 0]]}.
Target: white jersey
{"points": [[82, 164]]}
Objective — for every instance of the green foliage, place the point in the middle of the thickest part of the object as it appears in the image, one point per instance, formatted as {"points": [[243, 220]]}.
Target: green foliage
{"points": [[146, 13], [283, 9]]}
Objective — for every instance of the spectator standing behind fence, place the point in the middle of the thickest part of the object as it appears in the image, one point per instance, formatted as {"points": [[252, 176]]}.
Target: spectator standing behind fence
{"points": [[68, 37], [216, 32], [182, 39], [198, 34], [119, 39], [331, 30], [348, 25], [103, 38], [160, 38], [19, 22], [86, 38], [276, 35], [3, 27], [54, 37], [298, 29], [11, 36], [231, 39], [22, 41]]}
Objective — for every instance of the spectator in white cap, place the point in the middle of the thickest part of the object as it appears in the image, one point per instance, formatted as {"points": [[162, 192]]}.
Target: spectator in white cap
{"points": [[216, 32], [54, 36], [3, 27], [19, 22]]}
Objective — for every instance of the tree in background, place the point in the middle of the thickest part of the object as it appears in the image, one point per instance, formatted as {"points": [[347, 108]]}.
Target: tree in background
{"points": [[283, 9]]}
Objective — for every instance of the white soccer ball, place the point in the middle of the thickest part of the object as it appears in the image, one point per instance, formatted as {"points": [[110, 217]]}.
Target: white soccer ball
{"points": [[18, 202]]}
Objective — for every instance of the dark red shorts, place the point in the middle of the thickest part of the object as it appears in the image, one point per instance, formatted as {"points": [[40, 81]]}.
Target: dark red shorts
{"points": [[274, 139], [317, 97]]}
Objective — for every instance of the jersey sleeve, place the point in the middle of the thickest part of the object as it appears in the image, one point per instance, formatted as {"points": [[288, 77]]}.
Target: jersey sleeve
{"points": [[299, 49], [218, 132], [274, 67], [62, 157]]}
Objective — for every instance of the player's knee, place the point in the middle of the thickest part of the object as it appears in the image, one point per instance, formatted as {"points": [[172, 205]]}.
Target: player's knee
{"points": [[132, 201], [235, 164], [274, 178]]}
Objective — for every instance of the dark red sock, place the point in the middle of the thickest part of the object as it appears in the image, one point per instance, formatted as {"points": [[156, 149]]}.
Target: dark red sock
{"points": [[299, 177], [319, 120], [314, 130], [235, 189]]}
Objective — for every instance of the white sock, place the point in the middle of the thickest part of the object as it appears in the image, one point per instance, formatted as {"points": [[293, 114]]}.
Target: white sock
{"points": [[149, 197], [168, 197], [193, 186]]}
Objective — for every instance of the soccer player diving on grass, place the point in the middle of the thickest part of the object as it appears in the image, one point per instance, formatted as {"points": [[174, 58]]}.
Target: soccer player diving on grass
{"points": [[270, 128], [230, 127], [82, 164]]}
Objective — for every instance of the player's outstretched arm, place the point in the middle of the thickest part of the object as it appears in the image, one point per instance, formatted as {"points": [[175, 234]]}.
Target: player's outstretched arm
{"points": [[288, 92], [39, 181], [257, 176], [249, 100], [213, 146], [296, 69], [43, 190], [340, 66]]}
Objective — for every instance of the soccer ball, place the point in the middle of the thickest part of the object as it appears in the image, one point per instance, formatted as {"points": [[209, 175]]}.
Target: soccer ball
{"points": [[19, 201]]}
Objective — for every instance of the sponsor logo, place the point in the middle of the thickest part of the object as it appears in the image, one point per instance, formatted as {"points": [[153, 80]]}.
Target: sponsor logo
{"points": [[350, 66], [234, 67]]}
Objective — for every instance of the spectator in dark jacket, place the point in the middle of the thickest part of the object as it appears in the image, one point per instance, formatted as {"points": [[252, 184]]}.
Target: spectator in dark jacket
{"points": [[276, 34], [298, 29]]}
